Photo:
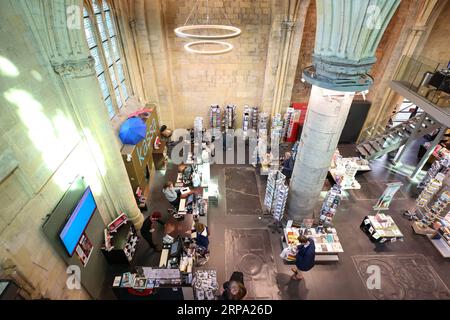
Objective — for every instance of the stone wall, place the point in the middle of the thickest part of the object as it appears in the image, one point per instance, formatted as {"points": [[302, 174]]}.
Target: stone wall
{"points": [[40, 134], [437, 46], [233, 78]]}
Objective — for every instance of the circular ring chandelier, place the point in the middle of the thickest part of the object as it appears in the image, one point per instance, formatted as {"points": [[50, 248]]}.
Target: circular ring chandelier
{"points": [[182, 32], [203, 37], [227, 47]]}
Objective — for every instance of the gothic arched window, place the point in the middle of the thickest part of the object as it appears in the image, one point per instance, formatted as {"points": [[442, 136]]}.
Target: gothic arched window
{"points": [[104, 46]]}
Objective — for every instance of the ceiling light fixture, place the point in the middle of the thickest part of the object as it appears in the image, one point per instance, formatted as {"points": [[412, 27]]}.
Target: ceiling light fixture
{"points": [[181, 31], [227, 47], [206, 33]]}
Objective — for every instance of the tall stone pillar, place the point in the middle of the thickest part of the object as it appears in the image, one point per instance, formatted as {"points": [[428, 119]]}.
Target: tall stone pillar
{"points": [[82, 88], [347, 35], [67, 50]]}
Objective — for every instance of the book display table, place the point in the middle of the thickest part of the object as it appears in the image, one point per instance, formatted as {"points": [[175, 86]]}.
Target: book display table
{"points": [[326, 241], [381, 228]]}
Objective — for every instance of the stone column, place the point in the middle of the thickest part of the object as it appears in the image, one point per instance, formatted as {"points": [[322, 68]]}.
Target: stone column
{"points": [[67, 50], [83, 90], [347, 35], [327, 113]]}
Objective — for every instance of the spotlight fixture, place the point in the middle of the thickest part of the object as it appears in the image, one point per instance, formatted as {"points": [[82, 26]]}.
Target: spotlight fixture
{"points": [[206, 33]]}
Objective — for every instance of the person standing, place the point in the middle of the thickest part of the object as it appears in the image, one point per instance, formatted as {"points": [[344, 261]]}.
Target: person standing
{"points": [[234, 289], [172, 195], [306, 256], [147, 229], [287, 166]]}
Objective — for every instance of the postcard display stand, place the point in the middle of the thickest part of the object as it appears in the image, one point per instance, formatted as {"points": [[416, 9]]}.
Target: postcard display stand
{"points": [[229, 116], [346, 169], [263, 120], [120, 241], [330, 204], [276, 196], [215, 119], [287, 123], [432, 213], [276, 135], [438, 166], [249, 120]]}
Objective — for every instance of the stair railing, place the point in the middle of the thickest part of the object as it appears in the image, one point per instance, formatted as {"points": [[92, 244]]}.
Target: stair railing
{"points": [[380, 126]]}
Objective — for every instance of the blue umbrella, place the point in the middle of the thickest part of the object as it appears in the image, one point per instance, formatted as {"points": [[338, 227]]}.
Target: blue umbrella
{"points": [[132, 131]]}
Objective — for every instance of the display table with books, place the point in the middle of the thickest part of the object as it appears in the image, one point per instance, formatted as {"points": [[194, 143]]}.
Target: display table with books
{"points": [[148, 282], [326, 242], [381, 228]]}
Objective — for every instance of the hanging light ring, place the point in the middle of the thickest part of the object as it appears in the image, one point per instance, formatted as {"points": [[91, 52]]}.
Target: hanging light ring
{"points": [[227, 47], [184, 31]]}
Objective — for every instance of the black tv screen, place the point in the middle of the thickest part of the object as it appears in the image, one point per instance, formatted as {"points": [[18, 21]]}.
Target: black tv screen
{"points": [[77, 222]]}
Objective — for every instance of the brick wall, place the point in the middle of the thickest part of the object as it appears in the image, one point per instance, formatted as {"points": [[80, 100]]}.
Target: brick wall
{"points": [[300, 91]]}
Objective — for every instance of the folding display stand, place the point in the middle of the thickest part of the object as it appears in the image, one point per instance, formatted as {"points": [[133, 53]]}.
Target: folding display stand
{"points": [[229, 116], [288, 117], [263, 120], [429, 190], [215, 118], [276, 136], [437, 167], [330, 204], [275, 198], [249, 120]]}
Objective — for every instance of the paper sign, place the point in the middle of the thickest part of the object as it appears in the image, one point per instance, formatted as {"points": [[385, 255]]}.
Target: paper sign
{"points": [[385, 200]]}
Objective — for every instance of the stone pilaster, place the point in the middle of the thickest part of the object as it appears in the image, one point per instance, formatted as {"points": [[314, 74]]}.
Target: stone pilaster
{"points": [[70, 59]]}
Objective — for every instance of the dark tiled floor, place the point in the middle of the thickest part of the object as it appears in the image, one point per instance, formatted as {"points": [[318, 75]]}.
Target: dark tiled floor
{"points": [[325, 281]]}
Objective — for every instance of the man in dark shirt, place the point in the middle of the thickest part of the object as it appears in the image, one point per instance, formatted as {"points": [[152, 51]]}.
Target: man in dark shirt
{"points": [[287, 166], [147, 229]]}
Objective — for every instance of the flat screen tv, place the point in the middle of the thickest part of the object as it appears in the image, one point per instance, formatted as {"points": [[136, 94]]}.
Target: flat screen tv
{"points": [[77, 222]]}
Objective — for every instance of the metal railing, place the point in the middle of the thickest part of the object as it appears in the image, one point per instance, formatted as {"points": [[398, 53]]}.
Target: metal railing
{"points": [[381, 127]]}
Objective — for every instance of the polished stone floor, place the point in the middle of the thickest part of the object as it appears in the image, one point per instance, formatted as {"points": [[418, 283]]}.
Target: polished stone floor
{"points": [[240, 240]]}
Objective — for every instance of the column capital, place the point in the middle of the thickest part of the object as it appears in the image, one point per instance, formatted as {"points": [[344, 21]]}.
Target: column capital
{"points": [[347, 35], [76, 68]]}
